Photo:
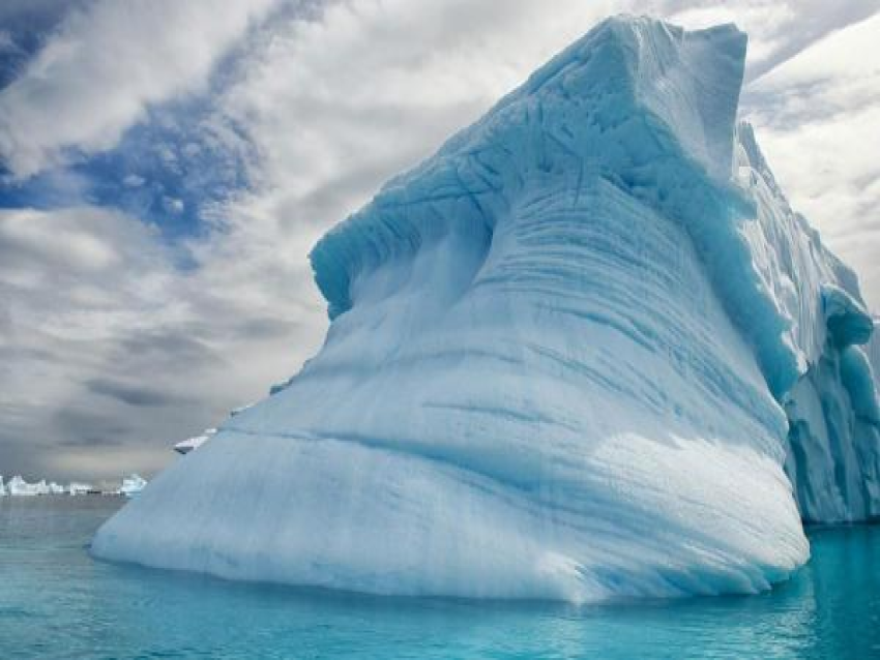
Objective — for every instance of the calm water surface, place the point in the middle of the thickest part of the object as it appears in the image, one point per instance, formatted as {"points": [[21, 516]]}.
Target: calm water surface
{"points": [[56, 602]]}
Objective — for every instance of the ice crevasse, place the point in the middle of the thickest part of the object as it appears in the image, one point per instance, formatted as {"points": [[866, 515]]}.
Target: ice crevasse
{"points": [[586, 350]]}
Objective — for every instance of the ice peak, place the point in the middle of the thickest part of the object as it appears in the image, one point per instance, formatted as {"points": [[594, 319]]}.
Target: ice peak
{"points": [[630, 95], [689, 80]]}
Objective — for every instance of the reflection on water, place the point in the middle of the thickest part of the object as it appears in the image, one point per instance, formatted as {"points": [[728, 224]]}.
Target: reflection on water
{"points": [[56, 602]]}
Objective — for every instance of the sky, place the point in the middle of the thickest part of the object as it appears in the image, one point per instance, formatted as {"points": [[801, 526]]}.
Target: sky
{"points": [[166, 166]]}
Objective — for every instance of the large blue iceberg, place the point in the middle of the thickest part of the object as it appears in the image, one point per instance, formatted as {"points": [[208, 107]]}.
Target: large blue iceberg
{"points": [[587, 350]]}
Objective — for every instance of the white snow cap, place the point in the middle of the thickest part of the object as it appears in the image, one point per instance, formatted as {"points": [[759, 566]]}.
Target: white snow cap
{"points": [[580, 353], [188, 445]]}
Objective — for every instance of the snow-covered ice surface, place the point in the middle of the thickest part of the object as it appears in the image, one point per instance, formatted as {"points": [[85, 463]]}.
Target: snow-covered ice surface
{"points": [[188, 445], [587, 350]]}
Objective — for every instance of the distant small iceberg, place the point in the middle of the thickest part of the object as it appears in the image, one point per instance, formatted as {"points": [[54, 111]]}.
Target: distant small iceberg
{"points": [[77, 488], [17, 486], [132, 485]]}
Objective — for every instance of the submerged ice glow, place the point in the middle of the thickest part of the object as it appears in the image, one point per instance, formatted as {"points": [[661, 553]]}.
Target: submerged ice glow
{"points": [[587, 350]]}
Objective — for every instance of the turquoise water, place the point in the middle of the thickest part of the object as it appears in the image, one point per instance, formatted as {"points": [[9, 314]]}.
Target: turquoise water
{"points": [[56, 602]]}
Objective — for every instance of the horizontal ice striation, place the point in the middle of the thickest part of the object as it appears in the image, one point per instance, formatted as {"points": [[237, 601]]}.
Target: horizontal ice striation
{"points": [[562, 360]]}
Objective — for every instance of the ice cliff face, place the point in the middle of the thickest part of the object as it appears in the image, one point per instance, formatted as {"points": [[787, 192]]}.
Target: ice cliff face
{"points": [[833, 441], [586, 350]]}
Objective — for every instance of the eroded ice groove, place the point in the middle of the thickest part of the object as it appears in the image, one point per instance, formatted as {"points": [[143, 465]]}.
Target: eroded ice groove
{"points": [[834, 436], [873, 352], [563, 357]]}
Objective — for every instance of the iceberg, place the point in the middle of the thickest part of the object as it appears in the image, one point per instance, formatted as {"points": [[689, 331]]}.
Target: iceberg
{"points": [[585, 351], [78, 488], [132, 485], [19, 487]]}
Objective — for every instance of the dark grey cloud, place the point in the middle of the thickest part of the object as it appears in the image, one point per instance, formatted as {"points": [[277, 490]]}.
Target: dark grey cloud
{"points": [[24, 457], [163, 348], [86, 428], [109, 354], [134, 394]]}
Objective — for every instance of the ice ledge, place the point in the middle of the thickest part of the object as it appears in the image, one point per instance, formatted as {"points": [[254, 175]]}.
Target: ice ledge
{"points": [[847, 319]]}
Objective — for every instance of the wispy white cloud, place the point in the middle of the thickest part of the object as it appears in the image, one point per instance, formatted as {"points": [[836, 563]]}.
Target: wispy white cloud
{"points": [[106, 63], [337, 106], [777, 30]]}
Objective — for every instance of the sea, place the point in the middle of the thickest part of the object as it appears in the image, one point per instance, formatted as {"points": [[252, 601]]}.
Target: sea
{"points": [[56, 601]]}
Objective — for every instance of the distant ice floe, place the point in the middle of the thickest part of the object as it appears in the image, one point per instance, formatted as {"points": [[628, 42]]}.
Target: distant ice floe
{"points": [[17, 486], [77, 488], [132, 485]]}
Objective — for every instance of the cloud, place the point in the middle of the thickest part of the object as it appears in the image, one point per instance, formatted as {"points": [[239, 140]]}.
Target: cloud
{"points": [[337, 106], [134, 394], [105, 341], [777, 30], [7, 43], [107, 62]]}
